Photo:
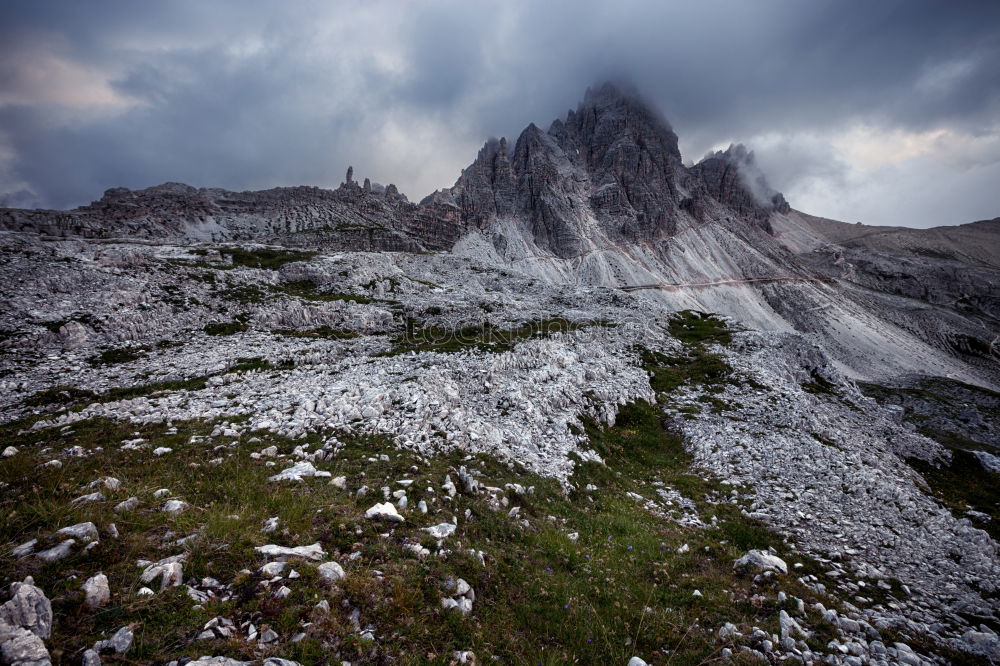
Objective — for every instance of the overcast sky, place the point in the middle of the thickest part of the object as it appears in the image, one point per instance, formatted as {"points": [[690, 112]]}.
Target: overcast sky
{"points": [[882, 112]]}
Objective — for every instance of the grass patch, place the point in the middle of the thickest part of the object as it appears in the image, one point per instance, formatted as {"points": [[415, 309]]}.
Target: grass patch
{"points": [[699, 328], [819, 385], [225, 328], [62, 395], [84, 318], [245, 294], [271, 259], [964, 483], [310, 291], [485, 337], [621, 588], [696, 365], [118, 355]]}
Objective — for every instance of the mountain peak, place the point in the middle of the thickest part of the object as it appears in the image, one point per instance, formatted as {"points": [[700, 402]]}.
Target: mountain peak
{"points": [[622, 99], [611, 92]]}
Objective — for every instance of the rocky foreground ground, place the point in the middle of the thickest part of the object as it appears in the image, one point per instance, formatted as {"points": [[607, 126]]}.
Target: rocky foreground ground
{"points": [[278, 456]]}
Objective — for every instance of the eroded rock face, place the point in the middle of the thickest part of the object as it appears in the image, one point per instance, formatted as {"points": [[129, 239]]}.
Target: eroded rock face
{"points": [[350, 217], [28, 608], [733, 178], [20, 647], [25, 620]]}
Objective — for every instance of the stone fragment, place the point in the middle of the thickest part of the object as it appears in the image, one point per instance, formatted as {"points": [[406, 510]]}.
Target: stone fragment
{"points": [[441, 531], [759, 561], [385, 511], [28, 608], [85, 532], [20, 647], [299, 472], [330, 571], [272, 569], [131, 504], [170, 570], [25, 549], [96, 591], [312, 552], [173, 507], [119, 643], [57, 552]]}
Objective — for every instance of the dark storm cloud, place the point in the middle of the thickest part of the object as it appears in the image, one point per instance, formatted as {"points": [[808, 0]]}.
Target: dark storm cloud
{"points": [[246, 94]]}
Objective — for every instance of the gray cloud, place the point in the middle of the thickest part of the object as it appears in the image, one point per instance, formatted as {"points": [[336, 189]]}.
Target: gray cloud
{"points": [[248, 94]]}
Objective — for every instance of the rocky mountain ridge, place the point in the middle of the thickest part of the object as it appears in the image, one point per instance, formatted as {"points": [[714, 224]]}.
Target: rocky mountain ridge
{"points": [[323, 426]]}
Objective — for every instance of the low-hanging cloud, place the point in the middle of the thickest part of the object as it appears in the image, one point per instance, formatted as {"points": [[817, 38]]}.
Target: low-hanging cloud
{"points": [[250, 94]]}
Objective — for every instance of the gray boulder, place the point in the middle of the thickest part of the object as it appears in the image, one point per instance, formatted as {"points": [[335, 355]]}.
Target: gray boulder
{"points": [[28, 608]]}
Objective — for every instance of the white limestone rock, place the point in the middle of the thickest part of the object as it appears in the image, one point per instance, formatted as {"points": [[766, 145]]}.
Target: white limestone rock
{"points": [[759, 561], [441, 530], [85, 532], [384, 511], [175, 506], [57, 552], [97, 594], [330, 571], [313, 552], [299, 472], [28, 608], [131, 504], [20, 647]]}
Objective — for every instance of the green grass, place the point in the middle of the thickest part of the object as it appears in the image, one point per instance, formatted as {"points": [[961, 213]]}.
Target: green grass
{"points": [[819, 385], [696, 365], [118, 355], [964, 483], [83, 318], [66, 396], [540, 598], [694, 327], [225, 328], [621, 589], [310, 291], [271, 259], [62, 394], [485, 337]]}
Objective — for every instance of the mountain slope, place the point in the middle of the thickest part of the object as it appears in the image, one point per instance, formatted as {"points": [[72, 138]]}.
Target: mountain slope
{"points": [[534, 445], [602, 199]]}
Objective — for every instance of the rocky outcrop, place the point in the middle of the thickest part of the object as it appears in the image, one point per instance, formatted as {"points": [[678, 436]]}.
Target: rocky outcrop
{"points": [[611, 168], [732, 178], [25, 621], [613, 160], [352, 217], [631, 154]]}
